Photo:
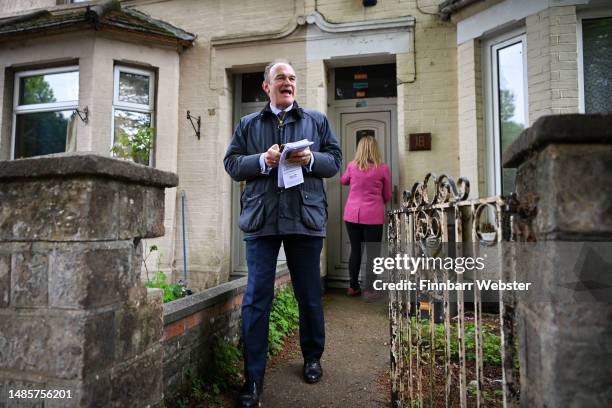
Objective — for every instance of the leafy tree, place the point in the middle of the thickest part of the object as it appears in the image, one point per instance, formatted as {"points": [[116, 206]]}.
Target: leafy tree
{"points": [[136, 147], [506, 105], [36, 90]]}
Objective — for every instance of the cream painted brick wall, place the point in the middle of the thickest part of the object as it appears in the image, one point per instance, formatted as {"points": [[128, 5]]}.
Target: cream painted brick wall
{"points": [[471, 131], [352, 10], [552, 67], [430, 103]]}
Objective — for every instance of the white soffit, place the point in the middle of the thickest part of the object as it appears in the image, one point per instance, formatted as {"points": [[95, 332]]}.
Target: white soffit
{"points": [[504, 14]]}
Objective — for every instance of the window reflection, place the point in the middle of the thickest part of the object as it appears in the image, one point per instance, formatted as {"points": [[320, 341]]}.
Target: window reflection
{"points": [[49, 88], [511, 102], [134, 88], [41, 133], [129, 122], [597, 58]]}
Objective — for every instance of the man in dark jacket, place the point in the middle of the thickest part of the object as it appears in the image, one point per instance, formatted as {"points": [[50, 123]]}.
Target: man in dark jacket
{"points": [[272, 215]]}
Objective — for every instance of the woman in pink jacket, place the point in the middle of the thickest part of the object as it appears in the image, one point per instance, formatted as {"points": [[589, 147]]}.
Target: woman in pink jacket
{"points": [[364, 212]]}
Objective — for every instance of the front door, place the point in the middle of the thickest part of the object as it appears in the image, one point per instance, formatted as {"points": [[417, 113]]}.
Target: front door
{"points": [[352, 126]]}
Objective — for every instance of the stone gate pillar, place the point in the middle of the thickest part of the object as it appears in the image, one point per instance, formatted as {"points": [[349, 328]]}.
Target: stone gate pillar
{"points": [[74, 315], [564, 185]]}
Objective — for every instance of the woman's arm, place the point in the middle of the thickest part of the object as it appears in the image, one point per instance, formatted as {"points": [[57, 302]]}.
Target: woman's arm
{"points": [[346, 177], [386, 192]]}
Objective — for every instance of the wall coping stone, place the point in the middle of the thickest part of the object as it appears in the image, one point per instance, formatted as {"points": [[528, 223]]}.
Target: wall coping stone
{"points": [[85, 164], [559, 129], [180, 308]]}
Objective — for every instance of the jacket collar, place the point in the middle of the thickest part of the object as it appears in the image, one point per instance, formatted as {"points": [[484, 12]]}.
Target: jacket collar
{"points": [[295, 110]]}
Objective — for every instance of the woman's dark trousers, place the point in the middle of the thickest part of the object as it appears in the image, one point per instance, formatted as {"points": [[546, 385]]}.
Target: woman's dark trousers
{"points": [[360, 236]]}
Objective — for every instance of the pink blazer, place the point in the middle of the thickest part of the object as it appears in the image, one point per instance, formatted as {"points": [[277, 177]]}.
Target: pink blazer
{"points": [[369, 192]]}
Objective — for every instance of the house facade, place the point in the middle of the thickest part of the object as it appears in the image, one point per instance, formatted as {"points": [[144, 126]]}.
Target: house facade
{"points": [[443, 86]]}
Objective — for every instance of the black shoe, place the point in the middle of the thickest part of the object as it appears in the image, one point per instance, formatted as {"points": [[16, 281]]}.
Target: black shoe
{"points": [[312, 371], [249, 394]]}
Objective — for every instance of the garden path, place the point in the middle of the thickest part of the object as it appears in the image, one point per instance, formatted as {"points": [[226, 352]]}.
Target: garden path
{"points": [[355, 362]]}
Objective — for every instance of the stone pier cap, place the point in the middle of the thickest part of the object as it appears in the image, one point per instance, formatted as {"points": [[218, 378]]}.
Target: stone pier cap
{"points": [[85, 164], [81, 197], [593, 128]]}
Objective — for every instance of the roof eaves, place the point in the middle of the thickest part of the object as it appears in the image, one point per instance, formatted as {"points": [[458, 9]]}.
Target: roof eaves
{"points": [[24, 17], [97, 15], [22, 26]]}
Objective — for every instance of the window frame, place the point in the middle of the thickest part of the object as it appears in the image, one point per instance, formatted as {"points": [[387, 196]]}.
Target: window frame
{"points": [[585, 15], [39, 107], [129, 106], [491, 101]]}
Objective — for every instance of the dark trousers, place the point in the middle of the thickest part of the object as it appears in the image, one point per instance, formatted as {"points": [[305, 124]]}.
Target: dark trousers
{"points": [[303, 254], [360, 236]]}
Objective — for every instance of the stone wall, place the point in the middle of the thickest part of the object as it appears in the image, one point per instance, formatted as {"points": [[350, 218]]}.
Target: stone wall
{"points": [[74, 315], [564, 183], [193, 324]]}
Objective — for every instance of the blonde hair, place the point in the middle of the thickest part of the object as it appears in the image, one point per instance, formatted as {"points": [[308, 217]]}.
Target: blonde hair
{"points": [[367, 153]]}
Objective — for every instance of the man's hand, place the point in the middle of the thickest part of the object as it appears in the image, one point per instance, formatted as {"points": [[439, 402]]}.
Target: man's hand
{"points": [[301, 156], [272, 156]]}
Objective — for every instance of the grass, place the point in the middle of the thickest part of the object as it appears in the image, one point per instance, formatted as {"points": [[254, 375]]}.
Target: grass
{"points": [[491, 341]]}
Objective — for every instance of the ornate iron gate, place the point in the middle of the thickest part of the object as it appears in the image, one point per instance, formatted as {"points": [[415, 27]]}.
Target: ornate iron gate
{"points": [[436, 344]]}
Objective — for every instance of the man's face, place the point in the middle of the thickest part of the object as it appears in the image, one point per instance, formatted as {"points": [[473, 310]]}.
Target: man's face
{"points": [[282, 86]]}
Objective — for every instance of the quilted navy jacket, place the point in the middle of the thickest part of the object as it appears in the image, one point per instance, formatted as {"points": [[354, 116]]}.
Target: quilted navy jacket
{"points": [[267, 209]]}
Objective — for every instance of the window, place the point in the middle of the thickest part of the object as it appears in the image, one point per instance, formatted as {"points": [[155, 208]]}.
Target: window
{"points": [[133, 102], [507, 105], [363, 133], [44, 103], [595, 64], [252, 90], [370, 81]]}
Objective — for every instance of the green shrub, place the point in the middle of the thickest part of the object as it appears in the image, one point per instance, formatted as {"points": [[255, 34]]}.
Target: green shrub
{"points": [[284, 319], [225, 369], [172, 291], [136, 147]]}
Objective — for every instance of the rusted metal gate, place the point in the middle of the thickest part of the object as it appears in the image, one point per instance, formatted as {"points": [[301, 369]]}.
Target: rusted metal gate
{"points": [[436, 344]]}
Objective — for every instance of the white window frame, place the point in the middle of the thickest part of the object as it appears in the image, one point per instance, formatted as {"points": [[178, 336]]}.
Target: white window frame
{"points": [[39, 107], [121, 105], [587, 15], [493, 137]]}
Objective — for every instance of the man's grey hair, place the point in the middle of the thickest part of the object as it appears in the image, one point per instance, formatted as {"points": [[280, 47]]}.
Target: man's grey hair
{"points": [[273, 63]]}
